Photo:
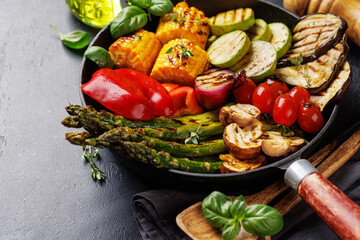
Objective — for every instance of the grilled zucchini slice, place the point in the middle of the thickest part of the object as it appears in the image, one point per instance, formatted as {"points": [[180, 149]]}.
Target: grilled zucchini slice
{"points": [[228, 49], [259, 31], [317, 75], [336, 89], [313, 36], [259, 62], [239, 19], [281, 38]]}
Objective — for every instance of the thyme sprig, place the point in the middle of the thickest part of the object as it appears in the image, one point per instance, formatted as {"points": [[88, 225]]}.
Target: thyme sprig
{"points": [[180, 19], [89, 155], [194, 137], [185, 53], [297, 61]]}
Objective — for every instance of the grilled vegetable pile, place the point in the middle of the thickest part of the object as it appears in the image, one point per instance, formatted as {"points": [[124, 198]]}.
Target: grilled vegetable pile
{"points": [[227, 93]]}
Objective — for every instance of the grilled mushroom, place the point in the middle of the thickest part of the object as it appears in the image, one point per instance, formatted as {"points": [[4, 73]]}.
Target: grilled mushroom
{"points": [[232, 164], [241, 114], [243, 143], [276, 145]]}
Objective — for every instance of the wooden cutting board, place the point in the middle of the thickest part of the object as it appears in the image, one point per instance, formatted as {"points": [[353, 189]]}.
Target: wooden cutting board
{"points": [[193, 223]]}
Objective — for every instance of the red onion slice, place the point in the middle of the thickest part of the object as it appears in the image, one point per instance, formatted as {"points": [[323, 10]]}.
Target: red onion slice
{"points": [[213, 87]]}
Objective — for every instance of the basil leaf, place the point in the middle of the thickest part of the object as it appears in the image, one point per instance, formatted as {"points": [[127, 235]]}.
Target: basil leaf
{"points": [[262, 220], [128, 20], [76, 40], [160, 7], [237, 209], [231, 231], [100, 56], [216, 209], [141, 3]]}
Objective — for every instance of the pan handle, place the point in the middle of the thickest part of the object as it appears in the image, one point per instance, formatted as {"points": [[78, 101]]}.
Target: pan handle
{"points": [[338, 211]]}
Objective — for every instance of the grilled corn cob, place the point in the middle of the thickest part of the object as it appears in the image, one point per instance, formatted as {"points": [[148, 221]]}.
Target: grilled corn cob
{"points": [[176, 65], [184, 22], [137, 51]]}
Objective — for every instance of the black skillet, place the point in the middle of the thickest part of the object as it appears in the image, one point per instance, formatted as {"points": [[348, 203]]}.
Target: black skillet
{"points": [[195, 181]]}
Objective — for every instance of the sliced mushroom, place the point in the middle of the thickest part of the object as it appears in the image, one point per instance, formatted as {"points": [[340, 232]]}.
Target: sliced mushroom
{"points": [[243, 143], [232, 164], [242, 114], [276, 145]]}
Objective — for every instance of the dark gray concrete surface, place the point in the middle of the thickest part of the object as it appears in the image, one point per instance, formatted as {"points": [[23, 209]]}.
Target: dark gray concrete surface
{"points": [[46, 190]]}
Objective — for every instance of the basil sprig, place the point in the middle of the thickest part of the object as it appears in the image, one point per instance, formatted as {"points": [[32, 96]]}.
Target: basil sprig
{"points": [[128, 20], [222, 212], [76, 40], [100, 56], [136, 16], [160, 7]]}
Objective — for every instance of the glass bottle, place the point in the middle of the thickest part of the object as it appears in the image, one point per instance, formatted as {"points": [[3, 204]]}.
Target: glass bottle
{"points": [[95, 13]]}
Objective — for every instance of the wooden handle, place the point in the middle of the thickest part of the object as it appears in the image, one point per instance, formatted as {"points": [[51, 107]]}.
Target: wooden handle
{"points": [[338, 211]]}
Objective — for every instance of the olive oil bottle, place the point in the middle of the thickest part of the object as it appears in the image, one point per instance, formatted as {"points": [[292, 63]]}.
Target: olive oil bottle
{"points": [[95, 13]]}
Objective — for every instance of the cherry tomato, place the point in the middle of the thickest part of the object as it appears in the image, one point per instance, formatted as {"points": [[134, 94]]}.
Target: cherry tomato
{"points": [[310, 118], [300, 95], [243, 89], [279, 86], [285, 110], [264, 97]]}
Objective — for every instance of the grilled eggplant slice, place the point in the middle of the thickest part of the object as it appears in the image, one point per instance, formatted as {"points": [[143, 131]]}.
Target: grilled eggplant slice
{"points": [[233, 165], [228, 49], [337, 88], [239, 19], [243, 143], [259, 62], [317, 75], [313, 36]]}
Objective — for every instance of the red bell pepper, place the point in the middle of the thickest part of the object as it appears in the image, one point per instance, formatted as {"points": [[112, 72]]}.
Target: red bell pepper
{"points": [[170, 86], [129, 93], [185, 100]]}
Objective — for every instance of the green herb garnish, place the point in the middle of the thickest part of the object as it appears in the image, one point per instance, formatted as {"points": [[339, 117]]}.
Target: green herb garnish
{"points": [[194, 137], [297, 60], [89, 155], [100, 56], [185, 53], [222, 212], [138, 37], [297, 63], [174, 16], [182, 19], [76, 40]]}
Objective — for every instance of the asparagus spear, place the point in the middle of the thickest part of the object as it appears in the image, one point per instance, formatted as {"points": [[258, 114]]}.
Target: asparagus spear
{"points": [[117, 135], [71, 122], [84, 138], [100, 123], [143, 153], [119, 121]]}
